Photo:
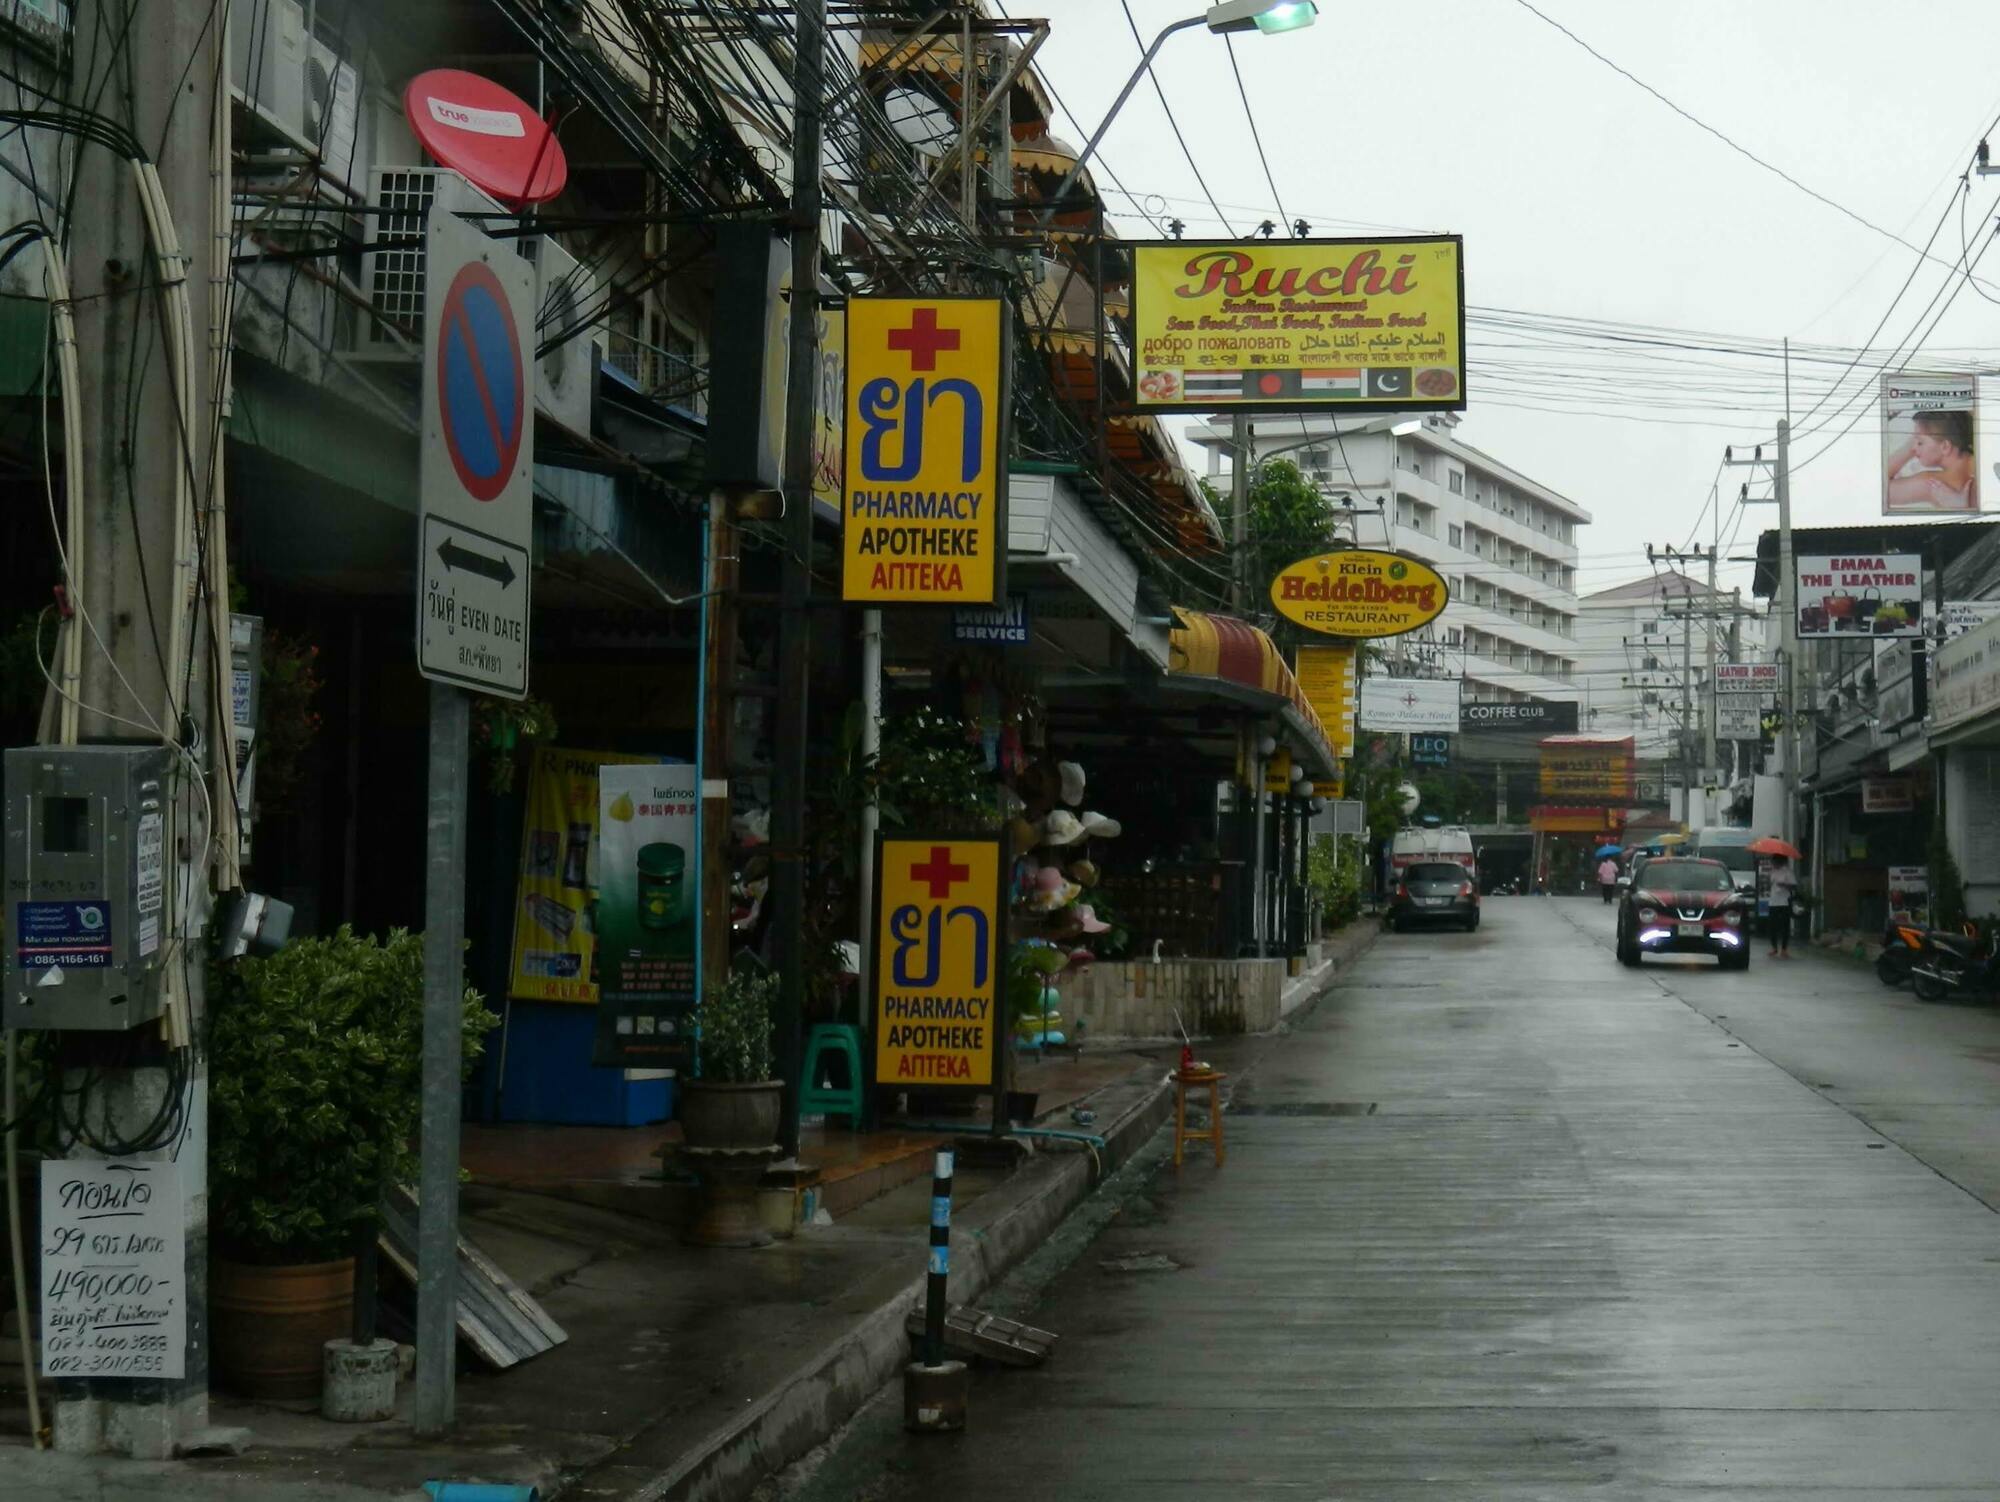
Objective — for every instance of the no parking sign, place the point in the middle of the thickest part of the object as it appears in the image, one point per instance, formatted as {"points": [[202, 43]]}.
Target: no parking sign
{"points": [[473, 561]]}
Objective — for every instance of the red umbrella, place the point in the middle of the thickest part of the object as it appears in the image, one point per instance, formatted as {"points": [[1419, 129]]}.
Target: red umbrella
{"points": [[1772, 845]]}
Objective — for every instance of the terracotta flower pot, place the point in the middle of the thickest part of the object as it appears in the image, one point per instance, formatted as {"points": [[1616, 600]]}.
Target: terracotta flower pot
{"points": [[268, 1325], [714, 1115]]}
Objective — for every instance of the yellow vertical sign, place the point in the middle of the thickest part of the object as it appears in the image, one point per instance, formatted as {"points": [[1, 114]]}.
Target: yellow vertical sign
{"points": [[1326, 678], [938, 961], [923, 489]]}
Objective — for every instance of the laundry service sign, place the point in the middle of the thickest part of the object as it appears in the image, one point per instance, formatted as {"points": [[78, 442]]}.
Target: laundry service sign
{"points": [[923, 490]]}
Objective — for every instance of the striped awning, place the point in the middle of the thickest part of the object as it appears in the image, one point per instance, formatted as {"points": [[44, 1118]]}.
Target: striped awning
{"points": [[1206, 645]]}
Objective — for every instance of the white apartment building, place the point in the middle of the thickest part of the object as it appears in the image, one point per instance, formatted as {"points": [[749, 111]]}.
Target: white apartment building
{"points": [[1506, 544], [1631, 641]]}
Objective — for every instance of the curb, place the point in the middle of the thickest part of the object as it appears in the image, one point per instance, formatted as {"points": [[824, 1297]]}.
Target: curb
{"points": [[824, 1391]]}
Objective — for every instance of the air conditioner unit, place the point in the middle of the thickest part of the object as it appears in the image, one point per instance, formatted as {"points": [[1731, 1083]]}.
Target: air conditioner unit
{"points": [[267, 61], [333, 113], [566, 377], [392, 268]]}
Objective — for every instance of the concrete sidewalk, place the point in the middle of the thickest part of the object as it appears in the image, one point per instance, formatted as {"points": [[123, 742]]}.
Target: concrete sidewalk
{"points": [[687, 1372]]}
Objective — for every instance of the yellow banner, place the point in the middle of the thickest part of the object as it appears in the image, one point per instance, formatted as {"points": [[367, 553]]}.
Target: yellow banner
{"points": [[555, 907], [938, 961], [1290, 324], [1576, 772], [1326, 677], [924, 489], [1360, 593]]}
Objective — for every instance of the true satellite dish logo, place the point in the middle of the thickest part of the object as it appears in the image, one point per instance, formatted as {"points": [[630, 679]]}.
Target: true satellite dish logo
{"points": [[479, 122]]}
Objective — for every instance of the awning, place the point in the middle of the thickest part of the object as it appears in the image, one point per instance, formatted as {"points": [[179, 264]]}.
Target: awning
{"points": [[1226, 651]]}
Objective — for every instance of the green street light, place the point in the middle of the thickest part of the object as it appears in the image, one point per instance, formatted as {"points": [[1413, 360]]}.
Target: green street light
{"points": [[1267, 16]]}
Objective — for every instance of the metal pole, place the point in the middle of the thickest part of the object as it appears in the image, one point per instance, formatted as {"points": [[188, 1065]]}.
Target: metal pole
{"points": [[1709, 759], [939, 1271], [790, 767], [444, 1021], [1788, 624], [1257, 857], [871, 811], [1687, 710], [1239, 511], [1090, 146]]}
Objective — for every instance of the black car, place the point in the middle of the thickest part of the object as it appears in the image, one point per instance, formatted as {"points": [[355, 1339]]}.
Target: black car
{"points": [[1434, 892], [1682, 905]]}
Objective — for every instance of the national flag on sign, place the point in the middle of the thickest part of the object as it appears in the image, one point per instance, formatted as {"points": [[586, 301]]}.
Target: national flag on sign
{"points": [[1393, 382], [1270, 385], [1330, 382], [1214, 383]]}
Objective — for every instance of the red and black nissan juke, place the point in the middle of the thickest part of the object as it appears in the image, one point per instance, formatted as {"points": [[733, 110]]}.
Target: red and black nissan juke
{"points": [[1680, 905]]}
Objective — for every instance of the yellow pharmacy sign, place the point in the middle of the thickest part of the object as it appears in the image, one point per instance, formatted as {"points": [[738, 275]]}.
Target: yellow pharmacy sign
{"points": [[938, 961], [923, 501]]}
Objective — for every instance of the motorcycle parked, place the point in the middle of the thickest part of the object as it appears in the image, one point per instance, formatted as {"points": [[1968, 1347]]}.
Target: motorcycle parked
{"points": [[1901, 945], [1954, 962]]}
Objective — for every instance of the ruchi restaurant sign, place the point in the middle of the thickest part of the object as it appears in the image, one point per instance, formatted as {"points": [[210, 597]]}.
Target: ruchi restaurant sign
{"points": [[1283, 325], [1360, 593]]}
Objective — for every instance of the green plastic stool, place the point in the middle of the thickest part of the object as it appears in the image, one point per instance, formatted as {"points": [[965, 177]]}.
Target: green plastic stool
{"points": [[830, 1040]]}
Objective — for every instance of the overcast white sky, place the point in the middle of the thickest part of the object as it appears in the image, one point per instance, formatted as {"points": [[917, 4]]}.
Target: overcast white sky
{"points": [[1580, 195]]}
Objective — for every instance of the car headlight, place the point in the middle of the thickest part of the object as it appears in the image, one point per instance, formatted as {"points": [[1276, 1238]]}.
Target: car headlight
{"points": [[1733, 918], [1647, 915]]}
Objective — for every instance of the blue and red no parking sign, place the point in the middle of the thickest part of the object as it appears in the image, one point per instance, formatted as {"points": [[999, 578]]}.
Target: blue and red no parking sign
{"points": [[481, 388]]}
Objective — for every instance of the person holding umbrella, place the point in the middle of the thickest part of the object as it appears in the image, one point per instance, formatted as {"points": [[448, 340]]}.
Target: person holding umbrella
{"points": [[1607, 873], [1784, 892]]}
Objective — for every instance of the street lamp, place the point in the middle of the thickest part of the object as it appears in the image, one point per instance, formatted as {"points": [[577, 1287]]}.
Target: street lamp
{"points": [[1268, 16]]}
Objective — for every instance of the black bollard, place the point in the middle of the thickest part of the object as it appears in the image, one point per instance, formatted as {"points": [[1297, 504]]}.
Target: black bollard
{"points": [[934, 1389]]}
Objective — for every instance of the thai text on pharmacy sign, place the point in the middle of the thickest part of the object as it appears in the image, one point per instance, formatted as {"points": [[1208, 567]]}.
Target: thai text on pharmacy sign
{"points": [[923, 490], [937, 961]]}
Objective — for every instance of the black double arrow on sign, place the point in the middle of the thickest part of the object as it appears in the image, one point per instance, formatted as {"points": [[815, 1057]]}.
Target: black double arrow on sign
{"points": [[454, 555]]}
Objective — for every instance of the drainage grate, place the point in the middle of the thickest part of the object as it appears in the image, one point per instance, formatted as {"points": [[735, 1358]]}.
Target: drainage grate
{"points": [[1303, 1108]]}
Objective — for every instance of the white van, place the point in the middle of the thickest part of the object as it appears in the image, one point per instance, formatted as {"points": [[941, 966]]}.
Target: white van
{"points": [[1447, 842], [1730, 845]]}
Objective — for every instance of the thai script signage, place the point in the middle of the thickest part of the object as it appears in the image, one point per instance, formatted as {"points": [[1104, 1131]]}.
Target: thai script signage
{"points": [[938, 959], [924, 491]]}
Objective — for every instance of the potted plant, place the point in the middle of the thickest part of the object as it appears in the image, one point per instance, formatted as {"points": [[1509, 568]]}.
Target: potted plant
{"points": [[315, 1067], [734, 1101], [504, 729]]}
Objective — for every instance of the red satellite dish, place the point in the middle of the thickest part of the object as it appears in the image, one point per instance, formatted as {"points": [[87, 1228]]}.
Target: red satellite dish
{"points": [[487, 134]]}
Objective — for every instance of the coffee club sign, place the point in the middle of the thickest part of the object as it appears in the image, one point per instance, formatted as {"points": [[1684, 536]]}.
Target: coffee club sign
{"points": [[1863, 594], [1360, 593]]}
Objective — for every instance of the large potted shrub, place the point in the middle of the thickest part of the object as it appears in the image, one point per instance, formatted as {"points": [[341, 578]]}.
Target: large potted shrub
{"points": [[315, 1071], [734, 1101]]}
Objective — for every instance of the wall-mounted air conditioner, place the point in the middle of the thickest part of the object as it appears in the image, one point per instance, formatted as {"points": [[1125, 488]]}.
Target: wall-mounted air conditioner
{"points": [[567, 294], [267, 61], [333, 114], [392, 268]]}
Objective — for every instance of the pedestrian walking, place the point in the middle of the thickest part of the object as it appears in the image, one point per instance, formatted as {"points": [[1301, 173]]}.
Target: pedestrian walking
{"points": [[1784, 889], [1607, 879]]}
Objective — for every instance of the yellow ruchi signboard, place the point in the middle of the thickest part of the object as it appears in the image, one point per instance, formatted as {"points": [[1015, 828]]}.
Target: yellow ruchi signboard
{"points": [[938, 961], [1283, 325], [1360, 593], [923, 491]]}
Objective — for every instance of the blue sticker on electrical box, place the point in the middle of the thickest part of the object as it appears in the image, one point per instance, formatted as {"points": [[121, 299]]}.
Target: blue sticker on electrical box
{"points": [[72, 934]]}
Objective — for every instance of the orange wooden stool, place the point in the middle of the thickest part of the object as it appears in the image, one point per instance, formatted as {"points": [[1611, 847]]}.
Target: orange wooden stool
{"points": [[1184, 1081]]}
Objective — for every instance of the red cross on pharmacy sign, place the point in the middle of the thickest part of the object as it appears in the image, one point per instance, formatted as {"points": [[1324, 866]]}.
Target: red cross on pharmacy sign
{"points": [[923, 469], [937, 961]]}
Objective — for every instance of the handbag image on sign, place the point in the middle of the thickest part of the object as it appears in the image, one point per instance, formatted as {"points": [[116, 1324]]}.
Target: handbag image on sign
{"points": [[1889, 620], [1812, 620], [1868, 604]]}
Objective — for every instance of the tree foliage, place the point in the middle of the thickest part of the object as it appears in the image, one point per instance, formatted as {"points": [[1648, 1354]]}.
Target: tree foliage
{"points": [[1289, 520]]}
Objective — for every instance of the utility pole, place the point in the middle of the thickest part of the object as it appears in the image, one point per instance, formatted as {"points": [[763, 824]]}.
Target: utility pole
{"points": [[1672, 557], [147, 555], [1788, 619], [789, 766]]}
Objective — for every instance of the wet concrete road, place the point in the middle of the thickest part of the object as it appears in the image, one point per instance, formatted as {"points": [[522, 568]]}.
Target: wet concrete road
{"points": [[1503, 1220]]}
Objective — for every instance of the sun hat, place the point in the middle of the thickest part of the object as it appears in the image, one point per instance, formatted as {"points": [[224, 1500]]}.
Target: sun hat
{"points": [[1021, 834], [1049, 879], [1098, 827], [1083, 873], [1062, 828], [1054, 900], [1087, 919], [1071, 776]]}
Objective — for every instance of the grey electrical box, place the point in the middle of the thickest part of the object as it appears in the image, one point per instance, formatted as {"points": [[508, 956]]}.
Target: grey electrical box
{"points": [[88, 895]]}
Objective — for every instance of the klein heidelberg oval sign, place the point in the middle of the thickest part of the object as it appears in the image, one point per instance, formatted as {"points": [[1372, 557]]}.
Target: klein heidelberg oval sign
{"points": [[1360, 593]]}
